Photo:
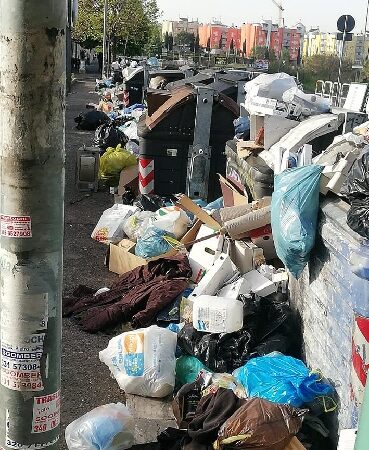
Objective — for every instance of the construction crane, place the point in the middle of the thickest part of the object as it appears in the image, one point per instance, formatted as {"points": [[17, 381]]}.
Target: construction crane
{"points": [[279, 5]]}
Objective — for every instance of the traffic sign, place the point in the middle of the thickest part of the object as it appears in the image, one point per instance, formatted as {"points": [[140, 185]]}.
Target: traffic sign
{"points": [[346, 23]]}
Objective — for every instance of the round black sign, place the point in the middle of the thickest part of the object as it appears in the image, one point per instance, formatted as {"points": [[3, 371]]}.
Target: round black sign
{"points": [[346, 23]]}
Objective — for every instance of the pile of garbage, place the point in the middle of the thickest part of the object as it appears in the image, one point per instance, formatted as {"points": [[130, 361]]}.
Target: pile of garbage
{"points": [[203, 288], [211, 326]]}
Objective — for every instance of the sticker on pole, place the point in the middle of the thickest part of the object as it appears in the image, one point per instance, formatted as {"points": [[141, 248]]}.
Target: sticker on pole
{"points": [[16, 226], [22, 352], [46, 413]]}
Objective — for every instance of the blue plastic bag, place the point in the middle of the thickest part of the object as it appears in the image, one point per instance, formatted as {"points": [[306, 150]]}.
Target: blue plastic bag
{"points": [[188, 368], [295, 207], [152, 243], [281, 379]]}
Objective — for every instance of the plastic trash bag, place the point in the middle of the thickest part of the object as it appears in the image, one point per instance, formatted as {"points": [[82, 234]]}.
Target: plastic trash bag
{"points": [[260, 424], [91, 120], [295, 207], [150, 202], [173, 220], [357, 193], [137, 224], [311, 104], [269, 85], [242, 128], [281, 379], [110, 227], [130, 130], [112, 162], [108, 427], [143, 361], [187, 369], [152, 243]]}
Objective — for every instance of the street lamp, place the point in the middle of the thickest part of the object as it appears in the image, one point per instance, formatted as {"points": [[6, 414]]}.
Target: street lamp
{"points": [[104, 65]]}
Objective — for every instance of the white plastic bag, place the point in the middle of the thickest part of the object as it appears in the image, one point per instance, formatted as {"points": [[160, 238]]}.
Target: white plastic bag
{"points": [[110, 225], [173, 220], [108, 427], [269, 85], [137, 224], [143, 361], [311, 104]]}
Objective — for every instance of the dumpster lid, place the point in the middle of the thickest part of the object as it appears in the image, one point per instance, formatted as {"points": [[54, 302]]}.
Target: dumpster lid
{"points": [[181, 96]]}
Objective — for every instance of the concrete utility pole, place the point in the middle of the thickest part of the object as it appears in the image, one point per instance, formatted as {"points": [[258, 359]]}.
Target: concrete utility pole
{"points": [[105, 64], [32, 107]]}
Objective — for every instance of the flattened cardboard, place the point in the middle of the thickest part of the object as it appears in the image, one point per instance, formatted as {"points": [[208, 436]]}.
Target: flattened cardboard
{"points": [[202, 215], [127, 176], [122, 258], [231, 195]]}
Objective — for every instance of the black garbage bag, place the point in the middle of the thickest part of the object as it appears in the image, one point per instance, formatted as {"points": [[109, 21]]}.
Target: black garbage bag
{"points": [[91, 120], [357, 192], [268, 327], [151, 202], [109, 135], [219, 352]]}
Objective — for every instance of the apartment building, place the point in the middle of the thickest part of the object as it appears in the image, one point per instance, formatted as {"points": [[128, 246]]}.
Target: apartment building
{"points": [[318, 43], [175, 27]]}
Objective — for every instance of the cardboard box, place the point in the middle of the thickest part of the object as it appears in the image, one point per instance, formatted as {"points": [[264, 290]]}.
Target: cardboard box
{"points": [[263, 238], [122, 259], [203, 254], [128, 177], [245, 255], [231, 195]]}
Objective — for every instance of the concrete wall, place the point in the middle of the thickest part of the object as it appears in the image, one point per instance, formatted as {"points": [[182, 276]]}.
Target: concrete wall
{"points": [[326, 298]]}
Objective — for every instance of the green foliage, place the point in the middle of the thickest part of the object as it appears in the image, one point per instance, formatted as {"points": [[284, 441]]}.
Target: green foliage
{"points": [[259, 52], [130, 23], [323, 67], [185, 38], [154, 44]]}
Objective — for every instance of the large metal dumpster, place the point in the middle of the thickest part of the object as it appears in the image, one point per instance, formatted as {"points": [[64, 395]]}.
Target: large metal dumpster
{"points": [[333, 305]]}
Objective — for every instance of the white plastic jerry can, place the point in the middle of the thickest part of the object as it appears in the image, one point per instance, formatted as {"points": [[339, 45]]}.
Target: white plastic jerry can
{"points": [[217, 314]]}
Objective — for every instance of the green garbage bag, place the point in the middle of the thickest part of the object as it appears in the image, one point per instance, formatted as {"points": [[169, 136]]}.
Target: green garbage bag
{"points": [[112, 162], [187, 369]]}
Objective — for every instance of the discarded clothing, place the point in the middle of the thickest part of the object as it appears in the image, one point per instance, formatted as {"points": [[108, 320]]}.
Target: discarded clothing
{"points": [[211, 413], [260, 424], [138, 296]]}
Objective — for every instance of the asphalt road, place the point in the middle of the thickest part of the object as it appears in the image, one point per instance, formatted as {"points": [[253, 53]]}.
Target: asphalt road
{"points": [[86, 382]]}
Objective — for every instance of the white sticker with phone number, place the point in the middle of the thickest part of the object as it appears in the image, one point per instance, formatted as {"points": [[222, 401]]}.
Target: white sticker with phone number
{"points": [[16, 226], [46, 413], [21, 353]]}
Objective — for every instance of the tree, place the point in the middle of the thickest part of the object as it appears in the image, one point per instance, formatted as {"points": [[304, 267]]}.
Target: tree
{"points": [[192, 43], [153, 46], [221, 43], [130, 23], [166, 40], [244, 48], [208, 46], [259, 52], [170, 42], [184, 38], [231, 46], [197, 43]]}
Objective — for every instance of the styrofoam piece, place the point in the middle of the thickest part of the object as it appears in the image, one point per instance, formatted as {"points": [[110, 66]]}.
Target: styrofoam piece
{"points": [[233, 290], [217, 314], [203, 254], [256, 282], [215, 277]]}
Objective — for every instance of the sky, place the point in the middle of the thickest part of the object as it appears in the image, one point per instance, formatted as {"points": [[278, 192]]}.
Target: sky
{"points": [[312, 13]]}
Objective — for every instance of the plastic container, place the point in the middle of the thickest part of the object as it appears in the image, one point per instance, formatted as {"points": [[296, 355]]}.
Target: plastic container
{"points": [[143, 361], [107, 427], [217, 314]]}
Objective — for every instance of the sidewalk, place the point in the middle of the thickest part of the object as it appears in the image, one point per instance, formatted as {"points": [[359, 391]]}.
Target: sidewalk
{"points": [[86, 383]]}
